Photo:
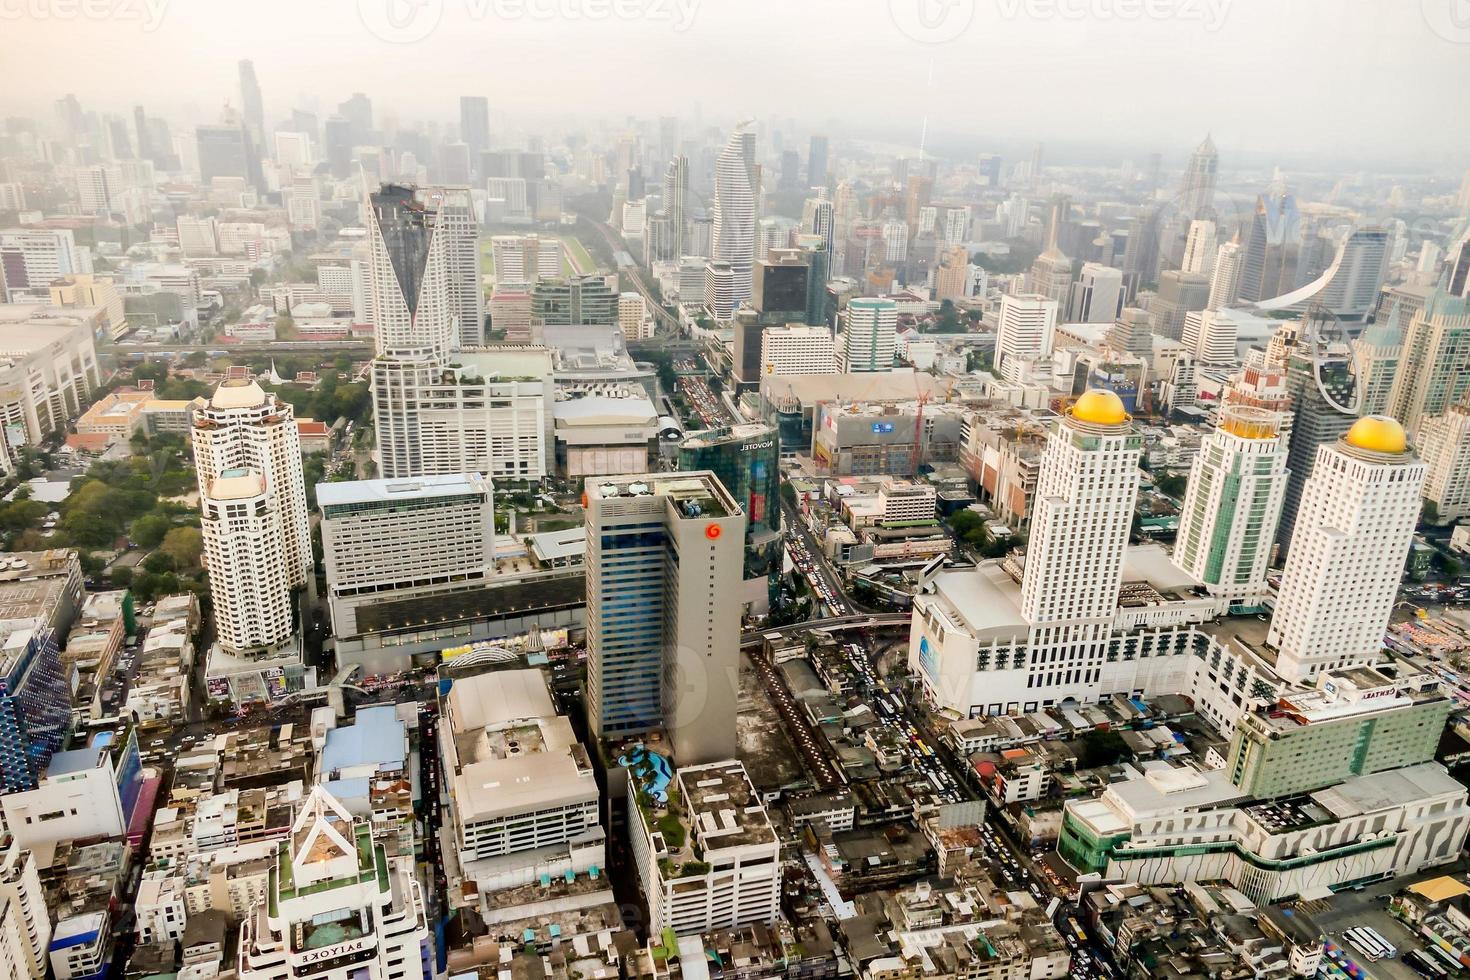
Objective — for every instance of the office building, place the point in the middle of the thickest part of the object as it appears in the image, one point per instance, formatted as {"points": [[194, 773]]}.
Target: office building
{"points": [[226, 151], [1199, 247], [1434, 368], [525, 259], [1051, 276], [1376, 354], [509, 310], [452, 213], [337, 905], [736, 201], [1025, 330], [243, 426], [1353, 530], [869, 335], [35, 706], [32, 258], [1225, 278], [1325, 402], [797, 349], [1444, 445], [474, 124], [403, 540], [1350, 723], [633, 318], [1097, 295], [664, 554], [816, 162], [719, 289], [574, 301], [1209, 336], [87, 793], [525, 800], [781, 286], [723, 868], [1179, 293], [745, 459], [676, 206], [952, 275], [1131, 333], [411, 264], [48, 370]]}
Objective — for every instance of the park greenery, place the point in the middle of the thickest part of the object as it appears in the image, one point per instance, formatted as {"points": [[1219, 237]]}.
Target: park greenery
{"points": [[969, 528]]}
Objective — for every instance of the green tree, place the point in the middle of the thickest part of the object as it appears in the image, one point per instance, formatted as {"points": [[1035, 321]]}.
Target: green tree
{"points": [[184, 545], [148, 530]]}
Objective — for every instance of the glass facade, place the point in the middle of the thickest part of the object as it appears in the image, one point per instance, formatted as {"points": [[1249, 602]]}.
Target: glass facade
{"points": [[35, 709], [746, 458]]}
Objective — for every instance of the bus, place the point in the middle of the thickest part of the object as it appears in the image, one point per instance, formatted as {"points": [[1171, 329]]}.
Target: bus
{"points": [[1447, 958], [1425, 965], [1366, 944], [1377, 937]]}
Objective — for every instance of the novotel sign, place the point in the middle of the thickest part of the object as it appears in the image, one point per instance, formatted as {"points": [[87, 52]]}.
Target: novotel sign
{"points": [[332, 952], [751, 447]]}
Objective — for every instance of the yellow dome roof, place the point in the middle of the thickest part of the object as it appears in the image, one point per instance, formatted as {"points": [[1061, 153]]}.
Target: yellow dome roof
{"points": [[1100, 407], [1377, 433]]}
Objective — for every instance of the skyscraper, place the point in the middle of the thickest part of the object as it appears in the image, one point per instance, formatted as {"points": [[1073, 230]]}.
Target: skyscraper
{"points": [[1376, 353], [1325, 401], [1199, 247], [252, 106], [664, 554], [1225, 279], [676, 204], [245, 427], [1179, 293], [745, 459], [1085, 493], [869, 334], [1227, 526], [411, 268], [1444, 445], [1196, 199], [1434, 369], [245, 554], [1051, 276], [816, 162], [1097, 295], [223, 152], [474, 124], [1352, 535], [737, 191], [35, 706], [1025, 328]]}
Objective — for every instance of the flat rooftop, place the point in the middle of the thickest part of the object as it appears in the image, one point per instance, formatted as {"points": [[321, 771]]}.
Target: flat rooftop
{"points": [[387, 491], [724, 806], [701, 490]]}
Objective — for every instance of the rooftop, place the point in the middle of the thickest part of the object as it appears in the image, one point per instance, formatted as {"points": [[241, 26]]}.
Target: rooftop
{"points": [[723, 804], [417, 488]]}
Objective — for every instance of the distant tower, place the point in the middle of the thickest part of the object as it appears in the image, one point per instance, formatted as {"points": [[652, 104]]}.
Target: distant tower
{"points": [[1354, 527], [1444, 445], [1225, 279], [1025, 328], [1434, 371], [737, 196], [1196, 200], [252, 107], [1199, 247], [1376, 354], [474, 125]]}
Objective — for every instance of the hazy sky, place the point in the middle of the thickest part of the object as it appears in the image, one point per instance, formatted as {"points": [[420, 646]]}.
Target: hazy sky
{"points": [[1371, 79]]}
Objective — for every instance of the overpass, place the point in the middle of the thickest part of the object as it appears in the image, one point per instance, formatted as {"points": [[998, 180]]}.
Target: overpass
{"points": [[363, 348], [830, 624]]}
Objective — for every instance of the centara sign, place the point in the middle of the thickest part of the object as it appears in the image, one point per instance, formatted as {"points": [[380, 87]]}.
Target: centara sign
{"points": [[332, 952]]}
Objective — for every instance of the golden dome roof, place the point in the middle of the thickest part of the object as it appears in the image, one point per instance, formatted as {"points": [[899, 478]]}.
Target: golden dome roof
{"points": [[1377, 433], [1100, 407]]}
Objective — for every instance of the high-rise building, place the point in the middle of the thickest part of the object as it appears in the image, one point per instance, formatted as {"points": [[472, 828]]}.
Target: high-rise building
{"points": [[951, 276], [252, 106], [1097, 295], [338, 904], [510, 314], [1199, 247], [1225, 279], [245, 555], [816, 162], [95, 190], [224, 151], [525, 258], [25, 923], [30, 258], [1196, 199], [1179, 293], [453, 217], [578, 300], [745, 459], [676, 204], [474, 124], [869, 335], [737, 199], [244, 427], [633, 318], [1376, 354], [1051, 276], [1325, 401], [1227, 525], [1353, 531], [719, 289], [403, 541], [35, 706], [1210, 337], [1085, 493], [797, 349], [664, 553], [780, 290], [1025, 329], [1131, 333], [1434, 369], [1444, 445]]}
